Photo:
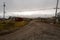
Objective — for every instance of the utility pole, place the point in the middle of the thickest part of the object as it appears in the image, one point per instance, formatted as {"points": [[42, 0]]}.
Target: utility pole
{"points": [[4, 11], [56, 11]]}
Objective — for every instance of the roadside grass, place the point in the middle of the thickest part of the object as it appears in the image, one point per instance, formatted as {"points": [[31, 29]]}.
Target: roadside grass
{"points": [[12, 25], [20, 24]]}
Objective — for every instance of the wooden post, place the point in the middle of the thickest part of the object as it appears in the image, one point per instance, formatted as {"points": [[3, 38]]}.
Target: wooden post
{"points": [[4, 11], [56, 20]]}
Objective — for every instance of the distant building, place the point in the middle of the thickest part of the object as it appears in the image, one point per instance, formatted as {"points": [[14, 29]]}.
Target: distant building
{"points": [[16, 18]]}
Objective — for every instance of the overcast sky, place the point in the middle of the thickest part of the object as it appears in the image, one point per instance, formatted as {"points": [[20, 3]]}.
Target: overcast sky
{"points": [[22, 5], [29, 8]]}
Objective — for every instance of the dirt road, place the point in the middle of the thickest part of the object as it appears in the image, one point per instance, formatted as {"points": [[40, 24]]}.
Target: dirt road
{"points": [[35, 31]]}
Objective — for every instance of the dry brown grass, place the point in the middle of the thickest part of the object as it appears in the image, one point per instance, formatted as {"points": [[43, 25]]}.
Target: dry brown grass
{"points": [[12, 25]]}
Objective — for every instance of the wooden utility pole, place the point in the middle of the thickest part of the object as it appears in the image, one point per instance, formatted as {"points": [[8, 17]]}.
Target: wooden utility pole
{"points": [[56, 11], [4, 10]]}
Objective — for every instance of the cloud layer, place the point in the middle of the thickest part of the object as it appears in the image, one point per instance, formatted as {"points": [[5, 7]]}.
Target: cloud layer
{"points": [[32, 14], [22, 5]]}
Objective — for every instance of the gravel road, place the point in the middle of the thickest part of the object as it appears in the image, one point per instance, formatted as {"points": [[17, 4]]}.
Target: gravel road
{"points": [[34, 31]]}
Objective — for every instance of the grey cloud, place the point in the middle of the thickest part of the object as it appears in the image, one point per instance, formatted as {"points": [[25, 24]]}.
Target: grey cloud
{"points": [[18, 5]]}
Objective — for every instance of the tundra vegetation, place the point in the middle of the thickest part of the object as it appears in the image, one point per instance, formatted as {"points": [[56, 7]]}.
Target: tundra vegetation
{"points": [[11, 24]]}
